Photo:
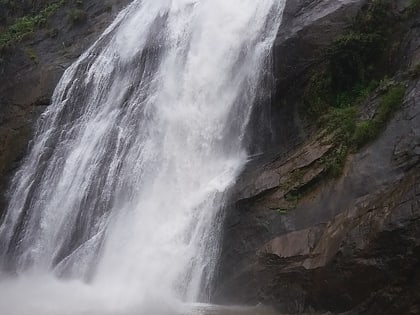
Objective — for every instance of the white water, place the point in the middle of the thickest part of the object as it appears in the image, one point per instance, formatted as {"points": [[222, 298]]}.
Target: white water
{"points": [[117, 208]]}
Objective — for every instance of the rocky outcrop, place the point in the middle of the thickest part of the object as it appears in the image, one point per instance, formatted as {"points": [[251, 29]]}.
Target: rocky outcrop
{"points": [[345, 245], [349, 240], [27, 81], [308, 27]]}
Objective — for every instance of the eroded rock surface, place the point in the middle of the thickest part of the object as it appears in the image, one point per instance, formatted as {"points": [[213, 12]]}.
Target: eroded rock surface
{"points": [[347, 245], [349, 240], [26, 85]]}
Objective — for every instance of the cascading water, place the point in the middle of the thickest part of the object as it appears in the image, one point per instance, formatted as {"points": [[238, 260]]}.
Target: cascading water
{"points": [[118, 203]]}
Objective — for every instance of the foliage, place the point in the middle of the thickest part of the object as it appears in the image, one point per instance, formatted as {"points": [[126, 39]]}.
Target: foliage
{"points": [[108, 6], [351, 134], [341, 122], [26, 25], [351, 58], [367, 131], [335, 161], [354, 66], [77, 16], [413, 6], [414, 73], [354, 62], [317, 94], [348, 134], [10, 10], [292, 198], [31, 54]]}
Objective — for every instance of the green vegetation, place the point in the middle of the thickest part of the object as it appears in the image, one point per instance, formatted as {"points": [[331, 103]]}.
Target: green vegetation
{"points": [[350, 134], [414, 73], [354, 66], [354, 62], [413, 6], [353, 72], [10, 10], [292, 197], [26, 25], [77, 16], [367, 131], [335, 161], [19, 20], [340, 122], [31, 54], [108, 6]]}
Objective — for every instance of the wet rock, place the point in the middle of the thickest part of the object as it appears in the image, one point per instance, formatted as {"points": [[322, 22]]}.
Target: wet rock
{"points": [[308, 27], [26, 85], [353, 243], [348, 245]]}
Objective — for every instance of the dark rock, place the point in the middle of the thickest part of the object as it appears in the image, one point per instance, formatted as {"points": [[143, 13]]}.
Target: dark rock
{"points": [[352, 240], [308, 27], [349, 245], [26, 86]]}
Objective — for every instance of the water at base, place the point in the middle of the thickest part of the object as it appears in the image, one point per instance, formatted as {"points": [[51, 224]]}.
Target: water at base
{"points": [[117, 208], [50, 296]]}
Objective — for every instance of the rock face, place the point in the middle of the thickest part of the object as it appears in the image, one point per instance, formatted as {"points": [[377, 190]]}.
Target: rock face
{"points": [[26, 85], [308, 27], [349, 240], [349, 245]]}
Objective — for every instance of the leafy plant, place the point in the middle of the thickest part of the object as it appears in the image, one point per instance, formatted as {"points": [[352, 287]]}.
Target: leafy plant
{"points": [[354, 62], [77, 16], [413, 6], [26, 25], [31, 54], [367, 131]]}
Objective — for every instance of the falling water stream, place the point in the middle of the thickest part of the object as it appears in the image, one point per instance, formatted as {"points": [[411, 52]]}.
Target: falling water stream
{"points": [[118, 206]]}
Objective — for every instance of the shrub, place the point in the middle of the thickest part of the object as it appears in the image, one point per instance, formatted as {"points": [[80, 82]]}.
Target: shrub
{"points": [[389, 103], [77, 16], [108, 6], [415, 71], [413, 6], [317, 94], [25, 26], [351, 57], [354, 62], [367, 131], [334, 163], [341, 122], [31, 54]]}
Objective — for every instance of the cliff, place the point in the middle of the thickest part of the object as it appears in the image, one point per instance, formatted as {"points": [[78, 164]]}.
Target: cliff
{"points": [[33, 56], [326, 218], [329, 220]]}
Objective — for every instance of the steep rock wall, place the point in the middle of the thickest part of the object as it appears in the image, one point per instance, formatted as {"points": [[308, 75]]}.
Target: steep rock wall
{"points": [[347, 244], [27, 80]]}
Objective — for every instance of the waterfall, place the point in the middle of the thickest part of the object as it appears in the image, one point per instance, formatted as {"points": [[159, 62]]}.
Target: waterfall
{"points": [[119, 202]]}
